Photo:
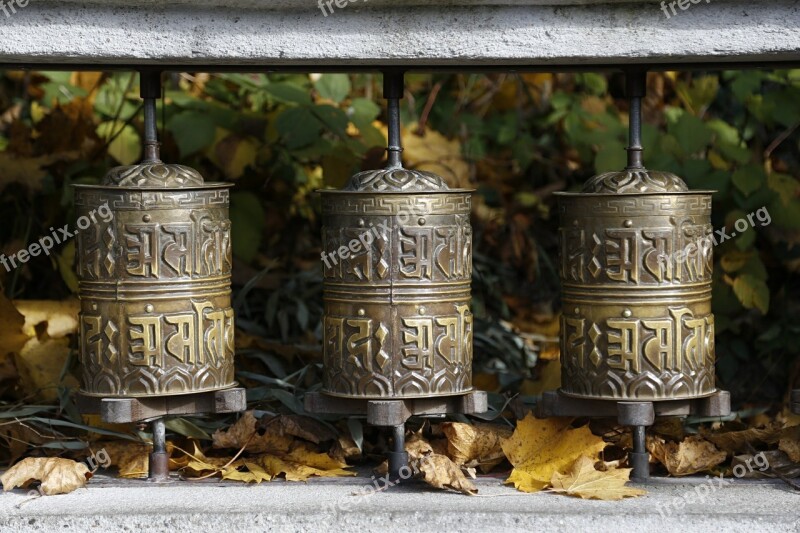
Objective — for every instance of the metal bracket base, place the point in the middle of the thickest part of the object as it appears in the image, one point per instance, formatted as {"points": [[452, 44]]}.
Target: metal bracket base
{"points": [[794, 403], [637, 414], [396, 412], [124, 410]]}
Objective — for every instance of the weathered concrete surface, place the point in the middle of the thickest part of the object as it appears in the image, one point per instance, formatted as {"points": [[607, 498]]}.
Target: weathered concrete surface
{"points": [[328, 505], [522, 33]]}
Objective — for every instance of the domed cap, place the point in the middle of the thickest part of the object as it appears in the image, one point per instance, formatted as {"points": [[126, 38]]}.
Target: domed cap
{"points": [[635, 181], [399, 180], [154, 175]]}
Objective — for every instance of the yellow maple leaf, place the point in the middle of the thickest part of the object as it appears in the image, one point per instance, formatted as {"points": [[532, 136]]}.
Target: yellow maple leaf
{"points": [[58, 476], [540, 448], [584, 481], [255, 473], [295, 471]]}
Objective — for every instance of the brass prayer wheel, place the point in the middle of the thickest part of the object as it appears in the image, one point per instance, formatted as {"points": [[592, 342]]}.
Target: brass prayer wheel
{"points": [[155, 282], [636, 267], [397, 276]]}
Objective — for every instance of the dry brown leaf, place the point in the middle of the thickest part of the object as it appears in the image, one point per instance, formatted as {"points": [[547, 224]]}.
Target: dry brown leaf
{"points": [[303, 427], [58, 476], [254, 472], [584, 481], [41, 360], [477, 445], [789, 443], [540, 448], [738, 441], [299, 468], [441, 472], [238, 434], [694, 454]]}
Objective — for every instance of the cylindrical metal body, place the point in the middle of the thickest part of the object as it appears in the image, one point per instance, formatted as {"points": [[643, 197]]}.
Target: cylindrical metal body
{"points": [[398, 270], [636, 265], [154, 269]]}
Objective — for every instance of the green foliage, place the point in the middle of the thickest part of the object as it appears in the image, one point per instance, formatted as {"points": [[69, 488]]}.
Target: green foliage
{"points": [[517, 138]]}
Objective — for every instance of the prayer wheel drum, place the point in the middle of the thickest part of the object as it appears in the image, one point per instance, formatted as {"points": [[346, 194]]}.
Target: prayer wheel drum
{"points": [[154, 283], [636, 265], [397, 276]]}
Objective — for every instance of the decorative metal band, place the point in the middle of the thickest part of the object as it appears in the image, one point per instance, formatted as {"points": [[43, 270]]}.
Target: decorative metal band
{"points": [[396, 180], [635, 181], [336, 203], [397, 321], [156, 316], [153, 175], [135, 200], [687, 204], [636, 272], [633, 249]]}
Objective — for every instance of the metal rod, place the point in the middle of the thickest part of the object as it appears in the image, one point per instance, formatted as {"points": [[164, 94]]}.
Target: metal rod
{"points": [[393, 92], [639, 459], [150, 91], [159, 459], [636, 85], [398, 458]]}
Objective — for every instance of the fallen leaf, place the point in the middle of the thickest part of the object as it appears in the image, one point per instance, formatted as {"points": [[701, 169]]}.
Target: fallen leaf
{"points": [[692, 455], [297, 471], [540, 448], [244, 430], [303, 427], [476, 445], [441, 472], [738, 441], [58, 476], [254, 472], [584, 481], [789, 443]]}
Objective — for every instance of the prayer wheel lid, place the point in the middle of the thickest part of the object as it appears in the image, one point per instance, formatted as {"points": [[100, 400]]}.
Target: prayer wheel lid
{"points": [[635, 181], [153, 175], [396, 180]]}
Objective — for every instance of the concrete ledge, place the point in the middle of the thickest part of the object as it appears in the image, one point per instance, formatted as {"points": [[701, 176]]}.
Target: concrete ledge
{"points": [[116, 505], [527, 34]]}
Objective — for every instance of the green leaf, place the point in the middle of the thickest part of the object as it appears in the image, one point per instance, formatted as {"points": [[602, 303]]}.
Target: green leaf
{"points": [[363, 111], [288, 93], [749, 179], [610, 157], [298, 126], [125, 146], [184, 427], [192, 131], [786, 186], [752, 292], [692, 133], [247, 217], [334, 87]]}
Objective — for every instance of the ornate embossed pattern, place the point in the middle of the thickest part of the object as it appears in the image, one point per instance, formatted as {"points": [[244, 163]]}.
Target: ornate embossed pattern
{"points": [[395, 180], [153, 175], [397, 321], [156, 314], [636, 274], [635, 181]]}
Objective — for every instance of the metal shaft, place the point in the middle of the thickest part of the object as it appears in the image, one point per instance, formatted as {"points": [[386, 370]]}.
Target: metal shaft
{"points": [[393, 92], [159, 459], [636, 88], [150, 91], [639, 458], [398, 458]]}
